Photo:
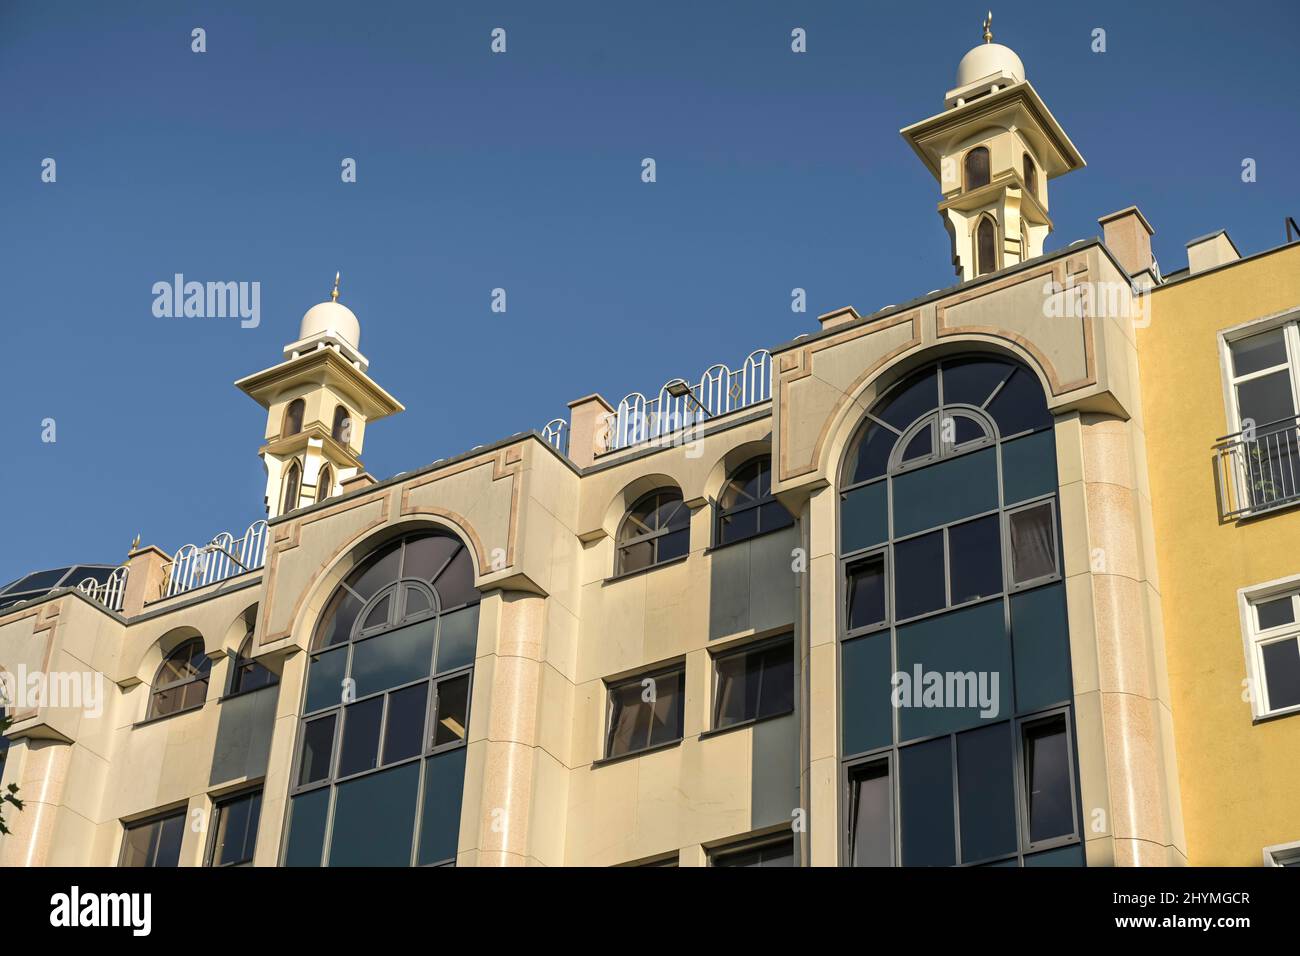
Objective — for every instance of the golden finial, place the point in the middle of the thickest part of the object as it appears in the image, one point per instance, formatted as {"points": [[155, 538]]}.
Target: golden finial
{"points": [[988, 22], [334, 296], [135, 545]]}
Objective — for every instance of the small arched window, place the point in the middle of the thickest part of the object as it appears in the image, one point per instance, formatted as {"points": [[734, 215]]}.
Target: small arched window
{"points": [[342, 430], [325, 483], [1031, 176], [986, 247], [292, 485], [293, 418], [248, 673], [746, 507], [656, 530], [977, 167], [181, 683]]}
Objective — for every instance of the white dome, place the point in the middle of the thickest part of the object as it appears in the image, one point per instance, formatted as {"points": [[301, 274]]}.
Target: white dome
{"points": [[987, 59], [331, 317]]}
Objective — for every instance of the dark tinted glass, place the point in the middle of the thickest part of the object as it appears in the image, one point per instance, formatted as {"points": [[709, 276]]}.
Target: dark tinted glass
{"points": [[975, 559], [1020, 405], [977, 167], [1282, 672], [905, 404], [1040, 637], [946, 491], [457, 639], [1275, 613], [452, 719], [1047, 780], [444, 775], [394, 658], [865, 711], [307, 817], [925, 803], [738, 526], [986, 792], [1029, 466], [645, 714], [864, 517], [872, 456], [374, 818], [360, 749], [325, 679], [317, 747], [918, 575], [776, 853], [404, 725], [674, 545], [236, 835], [377, 571], [425, 557], [972, 381], [666, 718], [455, 585], [921, 445], [866, 592], [755, 684], [872, 827], [170, 831], [986, 238], [336, 625]]}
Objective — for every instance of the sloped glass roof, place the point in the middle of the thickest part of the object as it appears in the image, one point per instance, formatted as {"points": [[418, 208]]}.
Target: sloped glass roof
{"points": [[39, 583]]}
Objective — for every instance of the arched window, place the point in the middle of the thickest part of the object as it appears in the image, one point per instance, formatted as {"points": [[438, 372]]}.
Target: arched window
{"points": [[977, 168], [249, 674], [292, 485], [1031, 175], [656, 530], [342, 430], [181, 683], [746, 507], [956, 692], [325, 483], [986, 247], [293, 418], [381, 748]]}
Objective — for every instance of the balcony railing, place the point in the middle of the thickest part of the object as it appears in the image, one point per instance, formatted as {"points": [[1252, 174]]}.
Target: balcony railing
{"points": [[225, 556], [108, 592], [1258, 469]]}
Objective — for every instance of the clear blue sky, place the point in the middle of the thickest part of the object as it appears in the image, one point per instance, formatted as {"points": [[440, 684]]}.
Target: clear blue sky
{"points": [[522, 171]]}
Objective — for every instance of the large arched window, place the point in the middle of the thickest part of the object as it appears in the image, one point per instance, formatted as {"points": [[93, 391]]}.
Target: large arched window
{"points": [[292, 487], [342, 429], [181, 683], [746, 507], [293, 418], [381, 750], [956, 718], [656, 530], [986, 246], [977, 167]]}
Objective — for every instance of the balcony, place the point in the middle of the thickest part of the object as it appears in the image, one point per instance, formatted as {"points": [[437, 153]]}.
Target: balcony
{"points": [[1258, 470]]}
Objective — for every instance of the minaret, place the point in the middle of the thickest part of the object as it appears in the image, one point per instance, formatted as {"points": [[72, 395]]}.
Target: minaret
{"points": [[993, 150], [318, 401]]}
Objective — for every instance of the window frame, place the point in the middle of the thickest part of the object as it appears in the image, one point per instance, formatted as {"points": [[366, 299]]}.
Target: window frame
{"points": [[742, 649], [219, 804], [1283, 854], [611, 686], [239, 661], [720, 513], [294, 414], [1012, 585], [623, 541], [156, 688], [1255, 638], [889, 758], [966, 184], [157, 817], [1019, 724], [752, 842]]}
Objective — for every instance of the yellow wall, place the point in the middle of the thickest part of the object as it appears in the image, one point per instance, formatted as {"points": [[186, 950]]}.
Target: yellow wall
{"points": [[1239, 780]]}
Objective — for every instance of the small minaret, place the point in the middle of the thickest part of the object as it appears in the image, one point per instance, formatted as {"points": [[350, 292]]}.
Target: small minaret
{"points": [[318, 402], [993, 150]]}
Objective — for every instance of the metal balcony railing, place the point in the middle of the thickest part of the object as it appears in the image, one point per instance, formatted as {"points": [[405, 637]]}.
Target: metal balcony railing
{"points": [[224, 557], [1258, 469], [108, 592]]}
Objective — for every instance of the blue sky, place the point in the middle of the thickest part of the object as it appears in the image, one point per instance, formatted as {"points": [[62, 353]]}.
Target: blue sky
{"points": [[522, 171]]}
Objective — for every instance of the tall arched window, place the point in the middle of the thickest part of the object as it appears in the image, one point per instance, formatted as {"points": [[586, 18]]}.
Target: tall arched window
{"points": [[986, 246], [324, 483], [381, 749], [1031, 175], [956, 717], [977, 167], [746, 507], [293, 418], [342, 429], [182, 681], [656, 530], [292, 486]]}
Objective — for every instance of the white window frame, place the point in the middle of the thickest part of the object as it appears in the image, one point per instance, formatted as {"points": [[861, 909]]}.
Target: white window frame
{"points": [[1284, 854], [1253, 639]]}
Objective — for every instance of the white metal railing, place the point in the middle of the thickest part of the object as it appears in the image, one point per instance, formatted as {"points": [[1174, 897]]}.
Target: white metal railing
{"points": [[720, 390], [556, 434], [223, 557], [1258, 470], [108, 592]]}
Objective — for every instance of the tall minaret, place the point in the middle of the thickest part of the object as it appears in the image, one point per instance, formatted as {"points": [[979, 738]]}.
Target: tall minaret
{"points": [[318, 401], [993, 150]]}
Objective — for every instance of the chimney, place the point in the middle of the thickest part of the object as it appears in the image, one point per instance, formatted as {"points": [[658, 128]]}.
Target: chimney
{"points": [[1210, 251], [146, 578], [589, 424], [1127, 235]]}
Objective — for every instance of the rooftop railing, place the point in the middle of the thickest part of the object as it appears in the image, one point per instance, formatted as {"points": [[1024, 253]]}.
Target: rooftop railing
{"points": [[225, 556], [108, 592], [1258, 469]]}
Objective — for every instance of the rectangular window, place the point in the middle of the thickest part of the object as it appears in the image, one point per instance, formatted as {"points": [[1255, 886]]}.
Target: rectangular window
{"points": [[452, 721], [235, 822], [1262, 385], [866, 593], [1273, 635], [1049, 789], [871, 824], [646, 711], [1031, 541], [766, 851], [155, 842], [754, 682]]}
